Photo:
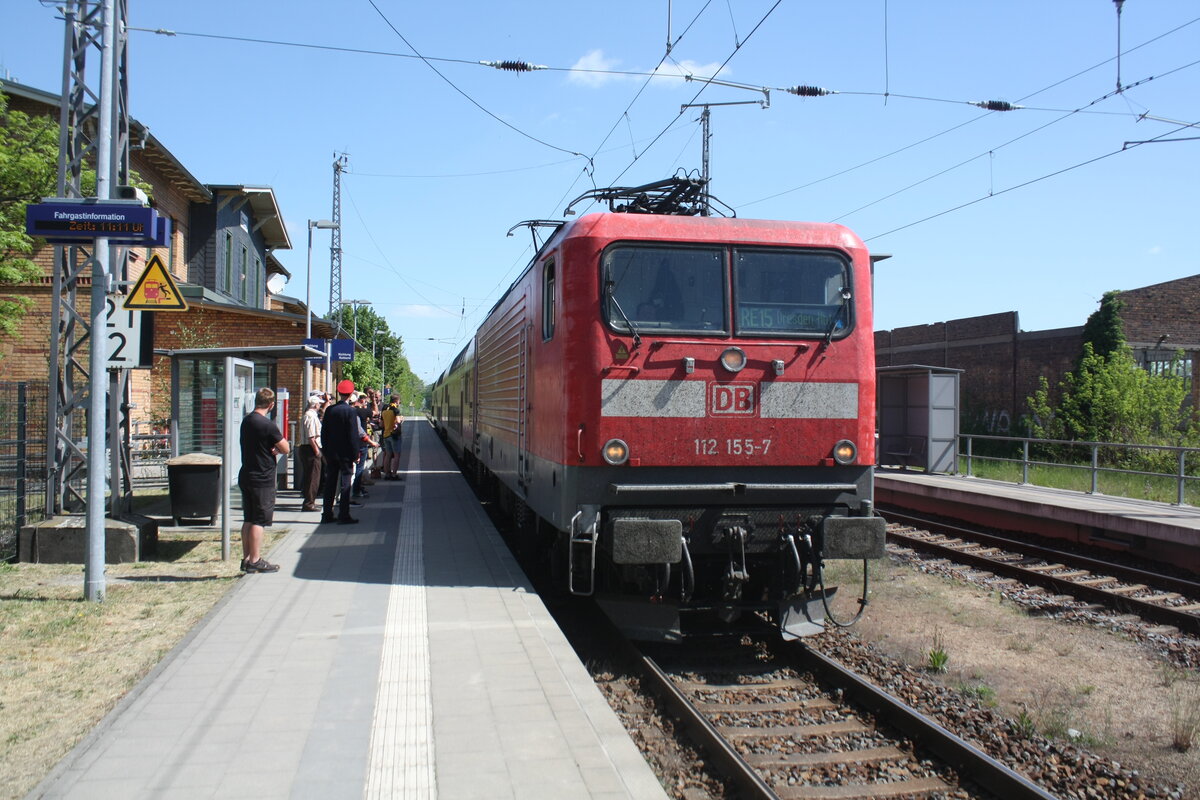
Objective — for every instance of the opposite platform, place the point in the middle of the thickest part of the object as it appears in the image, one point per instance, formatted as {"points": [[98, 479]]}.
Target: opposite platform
{"points": [[405, 656], [1159, 531]]}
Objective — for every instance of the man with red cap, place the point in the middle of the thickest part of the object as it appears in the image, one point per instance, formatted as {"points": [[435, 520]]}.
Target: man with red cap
{"points": [[340, 444]]}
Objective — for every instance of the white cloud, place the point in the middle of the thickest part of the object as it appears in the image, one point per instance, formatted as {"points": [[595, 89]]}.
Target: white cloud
{"points": [[594, 60], [1156, 250], [681, 69], [594, 70]]}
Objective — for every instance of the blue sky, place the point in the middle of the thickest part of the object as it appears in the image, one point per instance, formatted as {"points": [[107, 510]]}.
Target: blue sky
{"points": [[442, 165]]}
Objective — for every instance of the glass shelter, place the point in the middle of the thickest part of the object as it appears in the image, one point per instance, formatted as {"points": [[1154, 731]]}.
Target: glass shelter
{"points": [[211, 390]]}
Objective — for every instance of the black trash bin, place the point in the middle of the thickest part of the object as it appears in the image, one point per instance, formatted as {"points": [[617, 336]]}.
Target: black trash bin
{"points": [[195, 481]]}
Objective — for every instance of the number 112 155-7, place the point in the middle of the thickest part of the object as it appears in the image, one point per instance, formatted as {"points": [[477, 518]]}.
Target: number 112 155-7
{"points": [[732, 447]]}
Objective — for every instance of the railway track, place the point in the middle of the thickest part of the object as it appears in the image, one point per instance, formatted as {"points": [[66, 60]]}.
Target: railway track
{"points": [[802, 726], [1162, 599]]}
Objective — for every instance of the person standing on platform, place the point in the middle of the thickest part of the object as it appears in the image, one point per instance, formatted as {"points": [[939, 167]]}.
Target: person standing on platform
{"points": [[310, 452], [391, 439], [364, 447], [260, 440], [340, 442]]}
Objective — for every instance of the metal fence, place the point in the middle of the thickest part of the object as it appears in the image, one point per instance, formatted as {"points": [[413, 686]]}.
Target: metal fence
{"points": [[22, 460], [148, 456], [1093, 462]]}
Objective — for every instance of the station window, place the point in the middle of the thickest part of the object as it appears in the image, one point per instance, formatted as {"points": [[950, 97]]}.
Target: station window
{"points": [[1179, 366], [242, 275], [228, 287], [548, 284], [256, 292]]}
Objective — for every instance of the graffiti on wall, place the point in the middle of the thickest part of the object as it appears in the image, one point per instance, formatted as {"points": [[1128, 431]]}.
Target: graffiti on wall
{"points": [[996, 422]]}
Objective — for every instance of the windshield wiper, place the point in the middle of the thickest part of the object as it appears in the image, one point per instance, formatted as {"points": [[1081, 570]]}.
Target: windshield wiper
{"points": [[845, 293], [637, 337]]}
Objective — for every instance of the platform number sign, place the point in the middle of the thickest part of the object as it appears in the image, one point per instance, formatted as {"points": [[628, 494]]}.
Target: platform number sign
{"points": [[129, 335]]}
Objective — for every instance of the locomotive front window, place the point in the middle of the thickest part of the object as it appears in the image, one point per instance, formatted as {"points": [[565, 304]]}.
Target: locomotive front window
{"points": [[652, 289], [792, 292]]}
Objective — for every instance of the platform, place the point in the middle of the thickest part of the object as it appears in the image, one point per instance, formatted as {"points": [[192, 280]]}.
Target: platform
{"points": [[1158, 531], [403, 657]]}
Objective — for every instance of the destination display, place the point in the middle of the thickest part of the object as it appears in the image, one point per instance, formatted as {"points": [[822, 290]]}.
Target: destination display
{"points": [[785, 318], [61, 222]]}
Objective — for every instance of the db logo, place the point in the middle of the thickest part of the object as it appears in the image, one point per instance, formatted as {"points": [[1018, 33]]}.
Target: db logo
{"points": [[733, 398]]}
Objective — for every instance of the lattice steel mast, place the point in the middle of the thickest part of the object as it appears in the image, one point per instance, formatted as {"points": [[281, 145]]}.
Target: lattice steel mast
{"points": [[335, 246], [94, 127]]}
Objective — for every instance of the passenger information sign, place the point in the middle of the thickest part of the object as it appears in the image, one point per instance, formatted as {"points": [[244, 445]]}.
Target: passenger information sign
{"points": [[71, 222], [156, 290]]}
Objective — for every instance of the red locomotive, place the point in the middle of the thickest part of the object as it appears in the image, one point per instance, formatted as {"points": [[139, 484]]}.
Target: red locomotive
{"points": [[679, 410]]}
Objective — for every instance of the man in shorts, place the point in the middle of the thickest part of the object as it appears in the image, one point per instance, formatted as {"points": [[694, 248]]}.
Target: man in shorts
{"points": [[261, 440]]}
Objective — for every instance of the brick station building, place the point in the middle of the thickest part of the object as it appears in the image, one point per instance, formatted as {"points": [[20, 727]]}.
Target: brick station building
{"points": [[221, 255], [1001, 363]]}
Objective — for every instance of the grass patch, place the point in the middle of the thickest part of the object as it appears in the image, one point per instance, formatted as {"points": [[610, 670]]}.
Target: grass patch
{"points": [[939, 657], [65, 662], [985, 694], [1185, 716]]}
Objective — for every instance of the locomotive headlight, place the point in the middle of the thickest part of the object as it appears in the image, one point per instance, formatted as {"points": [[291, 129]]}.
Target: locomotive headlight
{"points": [[616, 452], [844, 452], [733, 359]]}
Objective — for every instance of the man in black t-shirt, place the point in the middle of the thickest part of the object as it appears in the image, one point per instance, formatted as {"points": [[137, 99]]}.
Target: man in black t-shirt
{"points": [[261, 440]]}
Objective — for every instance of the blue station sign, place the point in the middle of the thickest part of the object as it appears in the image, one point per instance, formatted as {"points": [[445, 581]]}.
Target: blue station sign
{"points": [[339, 349], [62, 222], [343, 350]]}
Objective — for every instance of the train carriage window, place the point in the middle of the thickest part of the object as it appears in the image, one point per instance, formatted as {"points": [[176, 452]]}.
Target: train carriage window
{"points": [[653, 288], [792, 292], [548, 301]]}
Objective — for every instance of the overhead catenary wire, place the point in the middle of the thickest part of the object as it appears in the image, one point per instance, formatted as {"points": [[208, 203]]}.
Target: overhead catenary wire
{"points": [[992, 150], [974, 120], [625, 114], [1123, 149], [700, 91], [469, 98]]}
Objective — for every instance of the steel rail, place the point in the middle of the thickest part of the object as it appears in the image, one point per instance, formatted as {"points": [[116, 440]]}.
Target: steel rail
{"points": [[1126, 573], [968, 761], [734, 767], [1166, 615]]}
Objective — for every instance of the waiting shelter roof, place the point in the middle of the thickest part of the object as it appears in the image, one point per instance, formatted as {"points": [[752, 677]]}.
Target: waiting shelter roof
{"points": [[277, 351]]}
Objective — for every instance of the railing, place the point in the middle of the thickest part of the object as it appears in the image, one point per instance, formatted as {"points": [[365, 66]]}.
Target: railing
{"points": [[1104, 460], [148, 455]]}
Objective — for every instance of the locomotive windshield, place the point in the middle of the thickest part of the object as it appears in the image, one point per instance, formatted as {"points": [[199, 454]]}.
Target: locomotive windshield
{"points": [[777, 292], [653, 288], [792, 292]]}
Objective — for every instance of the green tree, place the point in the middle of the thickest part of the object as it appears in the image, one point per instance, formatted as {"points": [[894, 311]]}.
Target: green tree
{"points": [[388, 364], [28, 170], [1104, 329], [1111, 399]]}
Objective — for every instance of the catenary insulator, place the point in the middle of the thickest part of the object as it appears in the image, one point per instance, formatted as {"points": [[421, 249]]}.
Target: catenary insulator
{"points": [[995, 105], [809, 91], [513, 66]]}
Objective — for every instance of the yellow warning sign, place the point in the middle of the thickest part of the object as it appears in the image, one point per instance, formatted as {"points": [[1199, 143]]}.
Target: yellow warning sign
{"points": [[156, 290]]}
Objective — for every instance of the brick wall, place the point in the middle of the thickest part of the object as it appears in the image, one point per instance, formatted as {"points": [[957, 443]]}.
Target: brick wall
{"points": [[1170, 309], [1000, 363], [221, 327]]}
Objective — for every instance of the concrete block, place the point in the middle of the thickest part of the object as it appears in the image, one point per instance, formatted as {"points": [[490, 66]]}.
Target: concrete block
{"points": [[63, 540]]}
